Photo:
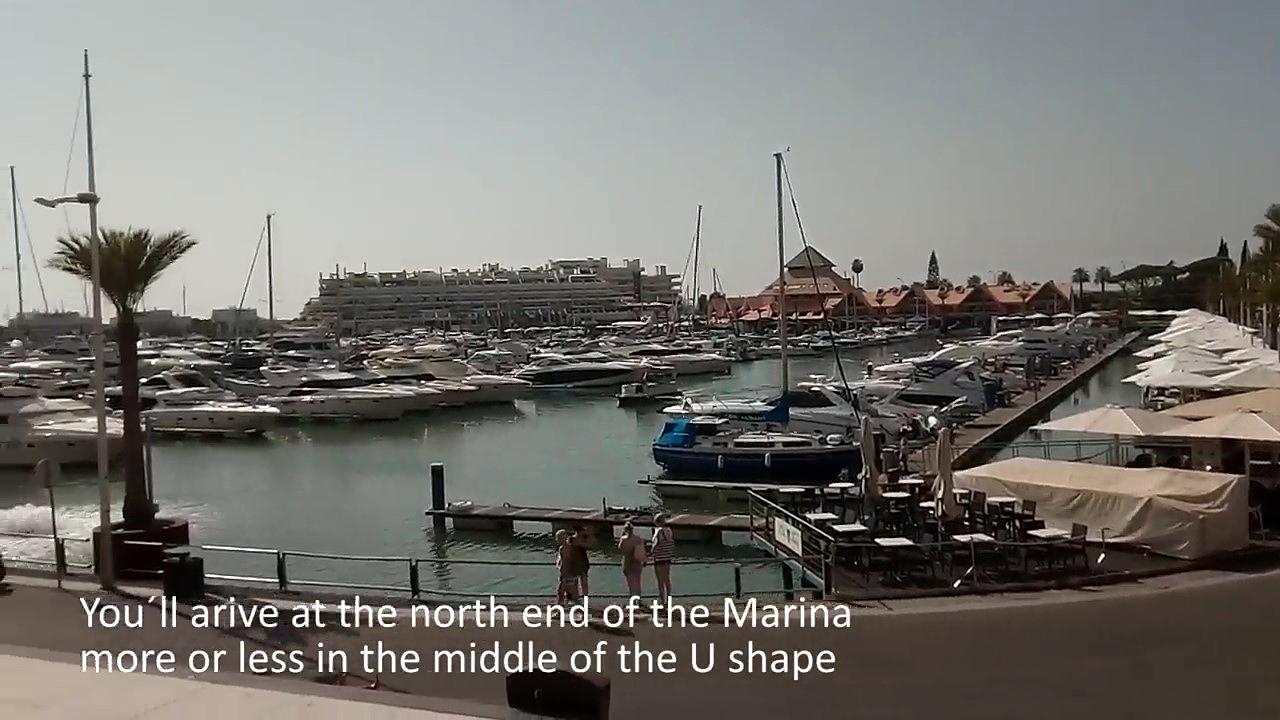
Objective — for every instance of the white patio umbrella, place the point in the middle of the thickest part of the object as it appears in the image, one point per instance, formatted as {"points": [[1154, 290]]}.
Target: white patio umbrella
{"points": [[1263, 401], [1155, 351], [1245, 426], [1173, 379], [1114, 420], [1187, 360], [1250, 377], [1251, 353]]}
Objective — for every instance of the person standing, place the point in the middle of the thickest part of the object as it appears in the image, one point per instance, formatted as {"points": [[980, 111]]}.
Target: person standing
{"points": [[662, 552], [581, 561], [633, 557], [567, 585]]}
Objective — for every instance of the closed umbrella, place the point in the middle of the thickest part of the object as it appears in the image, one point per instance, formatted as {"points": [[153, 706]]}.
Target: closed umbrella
{"points": [[870, 474], [944, 497]]}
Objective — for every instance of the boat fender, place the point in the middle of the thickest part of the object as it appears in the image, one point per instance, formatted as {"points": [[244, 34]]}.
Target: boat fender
{"points": [[768, 460], [719, 462]]}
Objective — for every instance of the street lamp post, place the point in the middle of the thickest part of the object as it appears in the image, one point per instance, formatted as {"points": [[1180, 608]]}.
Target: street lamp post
{"points": [[106, 568]]}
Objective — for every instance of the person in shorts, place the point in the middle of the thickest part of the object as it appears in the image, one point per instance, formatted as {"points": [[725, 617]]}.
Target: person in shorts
{"points": [[661, 552]]}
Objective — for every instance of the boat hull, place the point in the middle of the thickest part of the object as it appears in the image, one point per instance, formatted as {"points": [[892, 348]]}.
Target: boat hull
{"points": [[774, 467]]}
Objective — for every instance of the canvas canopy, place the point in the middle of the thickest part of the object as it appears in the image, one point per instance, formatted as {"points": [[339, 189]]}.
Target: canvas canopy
{"points": [[1181, 513]]}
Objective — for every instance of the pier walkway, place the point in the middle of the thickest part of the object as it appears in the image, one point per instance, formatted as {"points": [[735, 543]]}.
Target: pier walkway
{"points": [[977, 441]]}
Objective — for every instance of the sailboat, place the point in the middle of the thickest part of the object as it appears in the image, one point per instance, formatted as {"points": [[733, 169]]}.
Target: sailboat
{"points": [[708, 448]]}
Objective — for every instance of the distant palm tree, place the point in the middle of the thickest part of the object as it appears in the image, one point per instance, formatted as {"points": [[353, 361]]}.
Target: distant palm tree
{"points": [[1102, 276], [1264, 268], [1079, 277], [856, 268], [1004, 277], [132, 260], [974, 281]]}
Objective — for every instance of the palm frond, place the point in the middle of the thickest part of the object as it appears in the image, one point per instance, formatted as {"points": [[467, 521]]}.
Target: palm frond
{"points": [[132, 260]]}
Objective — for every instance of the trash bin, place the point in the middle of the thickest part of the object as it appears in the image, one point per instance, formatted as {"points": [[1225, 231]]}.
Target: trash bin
{"points": [[183, 576], [559, 694]]}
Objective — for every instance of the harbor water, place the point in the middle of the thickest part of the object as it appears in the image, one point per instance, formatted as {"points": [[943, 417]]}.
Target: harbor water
{"points": [[361, 488]]}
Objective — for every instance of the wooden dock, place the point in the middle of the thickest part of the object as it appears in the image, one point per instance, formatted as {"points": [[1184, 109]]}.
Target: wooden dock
{"points": [[600, 524]]}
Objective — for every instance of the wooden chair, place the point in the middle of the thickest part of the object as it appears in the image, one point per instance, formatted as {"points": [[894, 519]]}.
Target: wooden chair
{"points": [[1026, 520], [978, 511]]}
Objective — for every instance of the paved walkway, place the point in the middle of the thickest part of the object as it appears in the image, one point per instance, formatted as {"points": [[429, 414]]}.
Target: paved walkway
{"points": [[1194, 646], [39, 688]]}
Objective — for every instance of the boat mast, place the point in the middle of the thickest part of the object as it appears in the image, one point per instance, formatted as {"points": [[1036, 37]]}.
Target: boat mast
{"points": [[697, 241], [271, 290], [782, 277], [17, 246]]}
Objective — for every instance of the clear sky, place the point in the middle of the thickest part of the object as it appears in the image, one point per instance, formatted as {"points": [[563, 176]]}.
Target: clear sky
{"points": [[1021, 135]]}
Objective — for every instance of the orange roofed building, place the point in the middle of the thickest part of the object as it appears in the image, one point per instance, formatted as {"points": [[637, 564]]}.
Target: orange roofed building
{"points": [[816, 293]]}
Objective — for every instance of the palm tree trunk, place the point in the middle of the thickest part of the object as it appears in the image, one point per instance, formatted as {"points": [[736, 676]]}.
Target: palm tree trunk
{"points": [[138, 509]]}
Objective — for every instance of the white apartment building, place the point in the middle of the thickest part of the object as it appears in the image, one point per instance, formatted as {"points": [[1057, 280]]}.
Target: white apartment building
{"points": [[559, 293]]}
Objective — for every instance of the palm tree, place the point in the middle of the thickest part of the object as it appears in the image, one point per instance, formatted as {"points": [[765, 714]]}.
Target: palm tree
{"points": [[1102, 276], [1004, 277], [132, 260], [1264, 268], [857, 268], [974, 281], [1080, 276]]}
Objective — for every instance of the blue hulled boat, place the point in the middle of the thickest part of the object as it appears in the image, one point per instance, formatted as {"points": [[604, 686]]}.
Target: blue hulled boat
{"points": [[708, 449]]}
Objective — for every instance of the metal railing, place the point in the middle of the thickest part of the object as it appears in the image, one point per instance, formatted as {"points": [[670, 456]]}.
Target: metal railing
{"points": [[59, 563], [283, 582], [793, 538]]}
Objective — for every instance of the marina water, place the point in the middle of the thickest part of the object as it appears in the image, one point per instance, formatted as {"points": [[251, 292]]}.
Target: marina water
{"points": [[360, 488]]}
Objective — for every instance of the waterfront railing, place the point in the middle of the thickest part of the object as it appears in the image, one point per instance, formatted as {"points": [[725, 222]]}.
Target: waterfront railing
{"points": [[412, 567]]}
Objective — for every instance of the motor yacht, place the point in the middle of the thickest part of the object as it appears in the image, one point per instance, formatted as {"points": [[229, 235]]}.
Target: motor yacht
{"points": [[686, 361], [940, 383], [62, 430], [491, 389], [813, 406], [384, 403], [216, 417], [579, 371]]}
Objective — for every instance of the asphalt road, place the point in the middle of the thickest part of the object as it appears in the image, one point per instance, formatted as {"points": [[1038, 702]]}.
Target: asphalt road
{"points": [[1197, 651]]}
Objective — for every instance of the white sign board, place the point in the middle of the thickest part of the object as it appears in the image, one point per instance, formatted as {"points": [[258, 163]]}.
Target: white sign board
{"points": [[787, 535]]}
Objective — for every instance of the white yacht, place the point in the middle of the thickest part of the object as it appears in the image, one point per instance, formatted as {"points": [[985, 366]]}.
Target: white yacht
{"points": [[34, 427], [226, 418], [812, 407], [580, 371], [489, 388], [938, 383], [383, 403], [686, 361], [178, 385]]}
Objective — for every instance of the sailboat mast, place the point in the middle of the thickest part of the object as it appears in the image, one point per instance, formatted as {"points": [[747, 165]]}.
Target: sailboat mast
{"points": [[17, 246], [271, 288], [782, 277], [697, 241]]}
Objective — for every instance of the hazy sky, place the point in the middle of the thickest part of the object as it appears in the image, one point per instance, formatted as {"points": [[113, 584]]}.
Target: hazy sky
{"points": [[1032, 136]]}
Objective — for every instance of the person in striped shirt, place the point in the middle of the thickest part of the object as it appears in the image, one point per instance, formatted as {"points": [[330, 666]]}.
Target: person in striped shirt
{"points": [[661, 553]]}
